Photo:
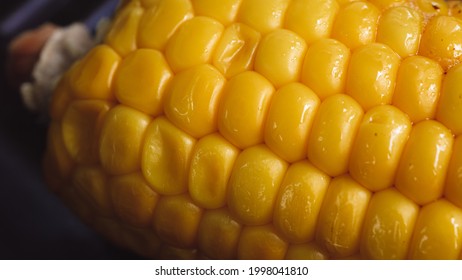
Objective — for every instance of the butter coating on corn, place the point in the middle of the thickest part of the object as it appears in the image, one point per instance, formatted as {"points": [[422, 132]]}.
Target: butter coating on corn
{"points": [[267, 129]]}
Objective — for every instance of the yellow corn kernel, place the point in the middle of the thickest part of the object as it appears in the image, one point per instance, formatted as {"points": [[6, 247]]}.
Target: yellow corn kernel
{"points": [[121, 136], [173, 253], [166, 157], [123, 32], [211, 164], [453, 185], [311, 19], [236, 49], [58, 163], [176, 220], [260, 243], [344, 2], [161, 20], [405, 39], [200, 35], [218, 234], [306, 251], [449, 110], [437, 234], [455, 10], [133, 199], [141, 81], [191, 103], [91, 183], [325, 67], [92, 77], [142, 240], [224, 11], [279, 57], [289, 121], [356, 24], [384, 4], [378, 145], [263, 15], [424, 162], [62, 96], [332, 134], [81, 128], [388, 226], [341, 217], [252, 198], [432, 8], [377, 65], [442, 40], [299, 202], [418, 85], [243, 109]]}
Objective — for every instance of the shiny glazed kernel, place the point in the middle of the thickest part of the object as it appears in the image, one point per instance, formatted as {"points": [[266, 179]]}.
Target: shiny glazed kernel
{"points": [[418, 87], [279, 57], [289, 121], [342, 214], [404, 40], [424, 162], [267, 129], [141, 81], [311, 19], [252, 198], [377, 65], [299, 202], [333, 132], [356, 24], [378, 147], [325, 67], [388, 225], [235, 50]]}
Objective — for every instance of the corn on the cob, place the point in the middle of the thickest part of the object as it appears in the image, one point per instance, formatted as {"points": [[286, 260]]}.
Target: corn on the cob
{"points": [[296, 129]]}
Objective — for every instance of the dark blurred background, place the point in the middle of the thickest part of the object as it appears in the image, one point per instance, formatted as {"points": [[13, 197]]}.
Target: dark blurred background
{"points": [[34, 224]]}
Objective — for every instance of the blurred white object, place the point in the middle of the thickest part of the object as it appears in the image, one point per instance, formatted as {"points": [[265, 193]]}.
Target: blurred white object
{"points": [[65, 45]]}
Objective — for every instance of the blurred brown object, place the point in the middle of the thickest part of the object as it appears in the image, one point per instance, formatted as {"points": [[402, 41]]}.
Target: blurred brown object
{"points": [[23, 53]]}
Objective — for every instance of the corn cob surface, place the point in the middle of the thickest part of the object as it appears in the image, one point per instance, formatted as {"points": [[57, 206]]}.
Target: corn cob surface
{"points": [[267, 129]]}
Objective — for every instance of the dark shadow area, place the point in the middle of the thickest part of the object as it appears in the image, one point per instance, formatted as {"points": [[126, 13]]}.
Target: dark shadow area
{"points": [[34, 224]]}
